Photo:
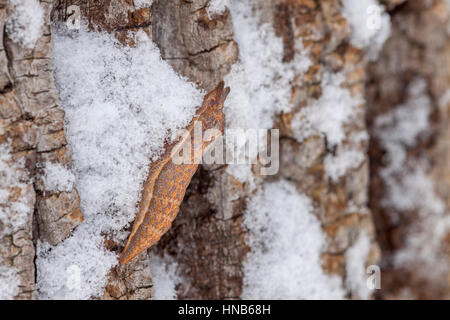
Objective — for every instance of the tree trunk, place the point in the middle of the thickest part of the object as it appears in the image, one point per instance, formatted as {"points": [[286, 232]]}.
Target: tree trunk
{"points": [[418, 50], [32, 137], [209, 240]]}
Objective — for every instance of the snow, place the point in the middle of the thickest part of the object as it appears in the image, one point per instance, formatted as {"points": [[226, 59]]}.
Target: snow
{"points": [[261, 83], [398, 130], [165, 277], [328, 115], [9, 283], [408, 186], [423, 240], [217, 7], [286, 243], [121, 104], [14, 214], [346, 157], [24, 24], [337, 166], [355, 268], [142, 3], [371, 25], [57, 178]]}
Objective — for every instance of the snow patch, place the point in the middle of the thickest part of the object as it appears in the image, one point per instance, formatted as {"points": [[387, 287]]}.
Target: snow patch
{"points": [[217, 7], [408, 186], [57, 178], [286, 243], [398, 130], [165, 278], [14, 214], [346, 157], [260, 82], [371, 25], [138, 4], [328, 115], [9, 283], [337, 166], [423, 241], [25, 22], [121, 104], [356, 276]]}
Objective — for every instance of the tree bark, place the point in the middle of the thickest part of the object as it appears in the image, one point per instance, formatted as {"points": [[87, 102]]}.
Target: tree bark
{"points": [[208, 238], [417, 49], [32, 128]]}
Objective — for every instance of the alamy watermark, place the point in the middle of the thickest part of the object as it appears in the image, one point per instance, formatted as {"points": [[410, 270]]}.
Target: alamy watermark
{"points": [[373, 13], [373, 282], [73, 20], [235, 147]]}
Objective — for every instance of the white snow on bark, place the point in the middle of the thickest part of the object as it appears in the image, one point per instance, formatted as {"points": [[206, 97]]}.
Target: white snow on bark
{"points": [[356, 276], [286, 243], [57, 178], [328, 115], [370, 24], [24, 25], [346, 157], [165, 277], [121, 103], [142, 3], [260, 82], [408, 186], [216, 7], [398, 130], [15, 213], [9, 283], [337, 166]]}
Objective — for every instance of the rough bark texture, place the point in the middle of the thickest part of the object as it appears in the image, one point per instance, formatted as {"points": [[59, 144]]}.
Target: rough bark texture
{"points": [[207, 239], [419, 47], [32, 123], [341, 205]]}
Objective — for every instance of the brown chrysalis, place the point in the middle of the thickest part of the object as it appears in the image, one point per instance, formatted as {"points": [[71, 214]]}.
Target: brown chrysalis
{"points": [[167, 181]]}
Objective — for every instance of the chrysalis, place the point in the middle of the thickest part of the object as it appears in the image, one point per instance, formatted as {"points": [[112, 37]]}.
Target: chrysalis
{"points": [[167, 181]]}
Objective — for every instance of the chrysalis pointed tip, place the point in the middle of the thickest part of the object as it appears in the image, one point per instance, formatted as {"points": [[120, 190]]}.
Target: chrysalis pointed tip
{"points": [[126, 256]]}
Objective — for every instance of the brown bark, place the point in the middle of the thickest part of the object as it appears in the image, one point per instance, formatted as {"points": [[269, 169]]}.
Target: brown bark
{"points": [[207, 226], [208, 237], [32, 123], [418, 48]]}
